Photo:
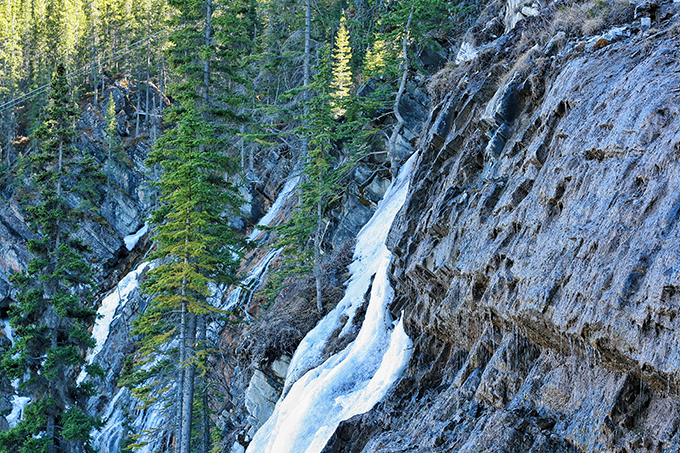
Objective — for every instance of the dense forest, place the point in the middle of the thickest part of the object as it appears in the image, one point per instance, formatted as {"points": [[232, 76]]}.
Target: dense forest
{"points": [[214, 83]]}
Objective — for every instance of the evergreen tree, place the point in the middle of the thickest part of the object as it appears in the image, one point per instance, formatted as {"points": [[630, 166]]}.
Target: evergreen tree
{"points": [[54, 310], [341, 82], [376, 59], [302, 236], [195, 242], [115, 149], [113, 144]]}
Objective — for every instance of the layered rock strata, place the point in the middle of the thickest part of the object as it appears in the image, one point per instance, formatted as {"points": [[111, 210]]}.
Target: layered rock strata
{"points": [[538, 261]]}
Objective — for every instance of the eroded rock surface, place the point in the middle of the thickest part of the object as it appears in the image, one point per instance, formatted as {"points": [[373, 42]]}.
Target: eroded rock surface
{"points": [[540, 281]]}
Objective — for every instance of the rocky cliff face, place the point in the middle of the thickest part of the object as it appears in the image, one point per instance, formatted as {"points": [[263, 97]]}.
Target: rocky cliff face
{"points": [[535, 258], [538, 257]]}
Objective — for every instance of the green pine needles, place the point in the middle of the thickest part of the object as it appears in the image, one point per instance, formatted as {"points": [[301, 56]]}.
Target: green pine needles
{"points": [[341, 82], [197, 200], [54, 311], [196, 247], [199, 196], [323, 169]]}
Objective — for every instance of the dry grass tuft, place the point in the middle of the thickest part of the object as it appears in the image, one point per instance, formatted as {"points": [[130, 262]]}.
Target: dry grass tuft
{"points": [[591, 17]]}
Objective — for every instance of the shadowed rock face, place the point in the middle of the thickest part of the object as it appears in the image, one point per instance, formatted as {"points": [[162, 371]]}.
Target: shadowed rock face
{"points": [[541, 283]]}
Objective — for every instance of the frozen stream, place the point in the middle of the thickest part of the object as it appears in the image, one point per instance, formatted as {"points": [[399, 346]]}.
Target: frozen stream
{"points": [[107, 310], [318, 396]]}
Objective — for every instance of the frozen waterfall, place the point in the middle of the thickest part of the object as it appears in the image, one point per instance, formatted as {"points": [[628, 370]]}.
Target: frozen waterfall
{"points": [[318, 396], [108, 307]]}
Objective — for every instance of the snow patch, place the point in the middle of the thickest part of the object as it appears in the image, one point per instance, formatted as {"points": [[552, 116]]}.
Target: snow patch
{"points": [[19, 403], [467, 52], [132, 240], [7, 330], [286, 193], [107, 310], [318, 396]]}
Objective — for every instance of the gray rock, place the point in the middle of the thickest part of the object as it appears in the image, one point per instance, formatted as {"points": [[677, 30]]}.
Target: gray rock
{"points": [[237, 448], [543, 304], [264, 390], [505, 104], [261, 398], [280, 366]]}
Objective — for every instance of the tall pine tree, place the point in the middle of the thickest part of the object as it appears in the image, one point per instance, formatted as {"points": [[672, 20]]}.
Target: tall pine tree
{"points": [[196, 245], [54, 310]]}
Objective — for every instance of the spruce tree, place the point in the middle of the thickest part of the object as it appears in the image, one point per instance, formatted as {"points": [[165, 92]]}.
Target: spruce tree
{"points": [[196, 245], [341, 82], [195, 242], [302, 236], [376, 59], [54, 311], [113, 144]]}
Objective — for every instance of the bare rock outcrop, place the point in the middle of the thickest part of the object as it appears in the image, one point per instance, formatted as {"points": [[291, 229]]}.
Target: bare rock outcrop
{"points": [[537, 261]]}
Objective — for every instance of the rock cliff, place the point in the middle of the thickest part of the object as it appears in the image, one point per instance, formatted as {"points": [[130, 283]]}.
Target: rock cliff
{"points": [[537, 256]]}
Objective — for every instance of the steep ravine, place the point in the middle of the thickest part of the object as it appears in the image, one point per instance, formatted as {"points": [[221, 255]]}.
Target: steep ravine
{"points": [[535, 258], [539, 272]]}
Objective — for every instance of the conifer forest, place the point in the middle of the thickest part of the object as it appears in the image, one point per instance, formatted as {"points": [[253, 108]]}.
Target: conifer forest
{"points": [[295, 226], [214, 83]]}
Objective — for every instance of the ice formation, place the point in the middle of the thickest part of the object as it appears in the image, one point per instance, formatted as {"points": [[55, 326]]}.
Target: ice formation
{"points": [[242, 294], [286, 193], [318, 396], [18, 402], [133, 239], [107, 439], [108, 307], [467, 52], [7, 330], [18, 405]]}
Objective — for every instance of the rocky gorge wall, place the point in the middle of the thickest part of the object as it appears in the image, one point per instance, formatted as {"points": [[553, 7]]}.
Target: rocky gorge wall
{"points": [[537, 256]]}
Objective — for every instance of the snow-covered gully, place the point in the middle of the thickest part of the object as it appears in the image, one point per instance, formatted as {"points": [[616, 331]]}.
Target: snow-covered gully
{"points": [[318, 396]]}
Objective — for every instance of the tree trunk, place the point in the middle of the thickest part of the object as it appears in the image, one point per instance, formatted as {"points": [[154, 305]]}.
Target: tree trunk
{"points": [[180, 371], [392, 144], [148, 78], [201, 344], [208, 44], [305, 69], [318, 238], [139, 106], [50, 426], [188, 386]]}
